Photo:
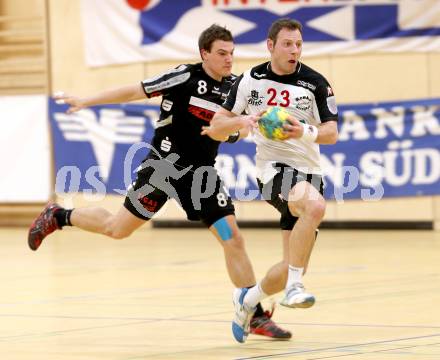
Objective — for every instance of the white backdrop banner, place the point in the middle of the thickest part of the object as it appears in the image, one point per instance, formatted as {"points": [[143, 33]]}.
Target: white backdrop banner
{"points": [[24, 149], [125, 31]]}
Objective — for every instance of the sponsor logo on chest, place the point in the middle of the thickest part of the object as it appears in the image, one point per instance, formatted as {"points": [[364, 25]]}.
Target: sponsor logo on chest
{"points": [[255, 98], [202, 108], [303, 103]]}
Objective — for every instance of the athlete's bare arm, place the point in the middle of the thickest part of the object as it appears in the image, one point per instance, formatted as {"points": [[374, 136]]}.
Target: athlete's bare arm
{"points": [[112, 96], [225, 123], [327, 131]]}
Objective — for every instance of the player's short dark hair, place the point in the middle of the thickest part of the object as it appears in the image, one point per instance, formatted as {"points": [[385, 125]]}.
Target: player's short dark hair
{"points": [[214, 32], [284, 23]]}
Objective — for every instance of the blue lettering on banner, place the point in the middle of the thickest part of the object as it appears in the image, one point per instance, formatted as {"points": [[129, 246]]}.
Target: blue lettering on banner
{"points": [[387, 148], [384, 149], [378, 21]]}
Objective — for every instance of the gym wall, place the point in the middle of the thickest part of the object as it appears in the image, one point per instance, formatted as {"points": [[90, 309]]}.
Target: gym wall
{"points": [[355, 78]]}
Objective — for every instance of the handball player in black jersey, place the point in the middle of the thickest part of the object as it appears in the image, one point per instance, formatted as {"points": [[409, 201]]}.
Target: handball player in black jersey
{"points": [[180, 164]]}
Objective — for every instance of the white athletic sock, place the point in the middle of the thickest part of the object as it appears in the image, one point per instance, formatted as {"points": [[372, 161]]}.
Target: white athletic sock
{"points": [[254, 295], [294, 276]]}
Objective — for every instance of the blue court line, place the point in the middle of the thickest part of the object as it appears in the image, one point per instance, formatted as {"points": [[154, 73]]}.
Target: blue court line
{"points": [[61, 332], [377, 351], [337, 348], [375, 295], [191, 318], [107, 295], [367, 284]]}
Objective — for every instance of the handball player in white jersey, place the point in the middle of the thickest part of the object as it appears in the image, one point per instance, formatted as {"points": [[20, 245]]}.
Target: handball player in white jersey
{"points": [[288, 172]]}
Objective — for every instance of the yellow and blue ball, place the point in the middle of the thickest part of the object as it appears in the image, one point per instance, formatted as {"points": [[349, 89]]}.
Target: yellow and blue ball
{"points": [[271, 123]]}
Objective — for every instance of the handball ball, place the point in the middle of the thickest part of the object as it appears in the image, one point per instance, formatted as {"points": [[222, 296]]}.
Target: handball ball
{"points": [[271, 123]]}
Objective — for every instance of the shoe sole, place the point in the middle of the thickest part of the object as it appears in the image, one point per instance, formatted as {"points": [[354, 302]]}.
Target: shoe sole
{"points": [[31, 243], [272, 337], [309, 302], [239, 333]]}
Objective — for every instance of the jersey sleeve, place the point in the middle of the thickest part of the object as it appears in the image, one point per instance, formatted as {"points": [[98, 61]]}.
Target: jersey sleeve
{"points": [[236, 101], [326, 102], [164, 83]]}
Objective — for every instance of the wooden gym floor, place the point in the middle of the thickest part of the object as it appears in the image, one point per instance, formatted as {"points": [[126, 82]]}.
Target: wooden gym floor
{"points": [[164, 294]]}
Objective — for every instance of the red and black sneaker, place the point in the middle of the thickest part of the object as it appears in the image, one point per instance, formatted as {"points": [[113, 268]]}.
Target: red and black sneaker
{"points": [[263, 325], [43, 225]]}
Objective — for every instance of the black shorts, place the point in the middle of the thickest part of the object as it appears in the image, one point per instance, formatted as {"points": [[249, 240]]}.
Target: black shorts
{"points": [[276, 191], [200, 192]]}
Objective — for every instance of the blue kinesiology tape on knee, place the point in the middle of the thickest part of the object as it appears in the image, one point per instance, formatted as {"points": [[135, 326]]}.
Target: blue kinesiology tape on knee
{"points": [[223, 229]]}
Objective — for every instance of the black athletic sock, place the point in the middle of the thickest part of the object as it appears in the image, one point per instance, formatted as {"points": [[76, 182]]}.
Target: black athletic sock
{"points": [[63, 217], [259, 311]]}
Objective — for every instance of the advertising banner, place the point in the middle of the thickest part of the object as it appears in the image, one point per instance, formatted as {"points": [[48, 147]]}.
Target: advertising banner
{"points": [[118, 31], [384, 150]]}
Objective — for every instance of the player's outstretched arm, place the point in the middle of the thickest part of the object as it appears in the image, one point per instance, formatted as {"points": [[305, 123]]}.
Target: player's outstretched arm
{"points": [[325, 133], [225, 123], [112, 96]]}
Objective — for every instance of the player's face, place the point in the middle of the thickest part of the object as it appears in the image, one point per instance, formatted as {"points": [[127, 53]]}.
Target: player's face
{"points": [[218, 62], [286, 51]]}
